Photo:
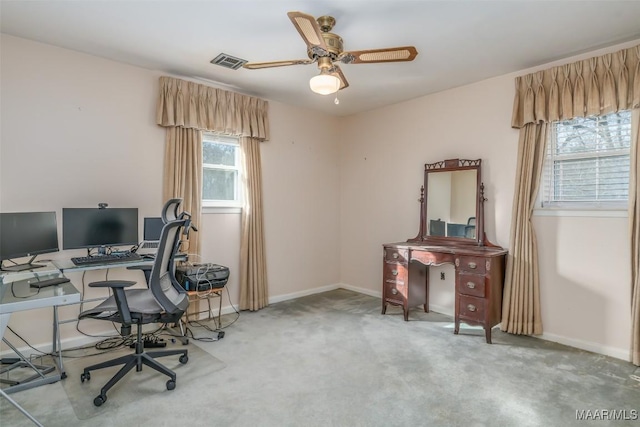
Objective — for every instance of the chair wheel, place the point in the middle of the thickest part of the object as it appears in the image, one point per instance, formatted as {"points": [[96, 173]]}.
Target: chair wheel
{"points": [[171, 384], [184, 359], [85, 376], [98, 401]]}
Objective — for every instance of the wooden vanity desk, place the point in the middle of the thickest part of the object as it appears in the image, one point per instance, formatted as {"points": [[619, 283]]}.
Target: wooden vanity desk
{"points": [[451, 232]]}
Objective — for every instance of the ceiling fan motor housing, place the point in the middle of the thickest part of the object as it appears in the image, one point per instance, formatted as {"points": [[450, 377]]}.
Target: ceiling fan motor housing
{"points": [[334, 46]]}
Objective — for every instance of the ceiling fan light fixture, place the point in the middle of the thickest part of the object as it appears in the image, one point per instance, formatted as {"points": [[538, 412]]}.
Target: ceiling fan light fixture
{"points": [[324, 83]]}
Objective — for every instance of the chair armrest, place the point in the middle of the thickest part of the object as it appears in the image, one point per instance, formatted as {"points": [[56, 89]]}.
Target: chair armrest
{"points": [[119, 295], [112, 284]]}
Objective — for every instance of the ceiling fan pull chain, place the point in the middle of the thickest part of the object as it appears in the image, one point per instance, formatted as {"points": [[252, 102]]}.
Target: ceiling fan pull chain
{"points": [[337, 101]]}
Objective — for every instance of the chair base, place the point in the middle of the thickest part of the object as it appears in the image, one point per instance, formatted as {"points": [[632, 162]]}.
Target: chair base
{"points": [[130, 361]]}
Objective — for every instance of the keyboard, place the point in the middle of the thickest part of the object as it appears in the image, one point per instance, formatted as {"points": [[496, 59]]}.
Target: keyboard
{"points": [[49, 282], [107, 259]]}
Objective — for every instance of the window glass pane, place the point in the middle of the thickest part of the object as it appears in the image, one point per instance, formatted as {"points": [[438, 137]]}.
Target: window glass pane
{"points": [[587, 160], [594, 134], [214, 153], [219, 184]]}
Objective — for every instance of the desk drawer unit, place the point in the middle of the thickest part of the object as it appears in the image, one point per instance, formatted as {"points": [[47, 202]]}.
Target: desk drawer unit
{"points": [[479, 291], [395, 282]]}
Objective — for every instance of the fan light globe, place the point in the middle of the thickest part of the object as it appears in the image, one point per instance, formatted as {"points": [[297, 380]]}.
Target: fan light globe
{"points": [[324, 84]]}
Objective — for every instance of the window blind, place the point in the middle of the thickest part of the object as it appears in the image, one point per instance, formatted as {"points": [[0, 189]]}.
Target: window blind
{"points": [[587, 161]]}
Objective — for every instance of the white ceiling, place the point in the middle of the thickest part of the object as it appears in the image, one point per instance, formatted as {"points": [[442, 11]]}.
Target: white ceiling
{"points": [[458, 42]]}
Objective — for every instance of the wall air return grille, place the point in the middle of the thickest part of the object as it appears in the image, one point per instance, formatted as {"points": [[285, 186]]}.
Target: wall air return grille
{"points": [[228, 61]]}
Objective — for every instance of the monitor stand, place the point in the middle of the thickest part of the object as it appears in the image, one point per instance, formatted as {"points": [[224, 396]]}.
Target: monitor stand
{"points": [[21, 267]]}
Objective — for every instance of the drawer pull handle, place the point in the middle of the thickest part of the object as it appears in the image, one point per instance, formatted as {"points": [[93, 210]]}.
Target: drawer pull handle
{"points": [[471, 285], [471, 307], [394, 291], [472, 265], [394, 272], [395, 255]]}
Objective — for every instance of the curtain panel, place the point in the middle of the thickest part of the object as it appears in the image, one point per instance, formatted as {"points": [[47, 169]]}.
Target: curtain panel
{"points": [[191, 105], [594, 86], [183, 176], [591, 87], [186, 109], [254, 293], [634, 230]]}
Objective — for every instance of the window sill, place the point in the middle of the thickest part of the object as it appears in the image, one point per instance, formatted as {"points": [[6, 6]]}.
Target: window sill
{"points": [[595, 213], [206, 210]]}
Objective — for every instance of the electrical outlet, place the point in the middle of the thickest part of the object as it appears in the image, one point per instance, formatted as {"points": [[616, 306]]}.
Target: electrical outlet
{"points": [[442, 275]]}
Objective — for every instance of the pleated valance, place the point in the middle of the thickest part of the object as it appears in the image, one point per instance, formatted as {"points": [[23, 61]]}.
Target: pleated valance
{"points": [[192, 105], [591, 87]]}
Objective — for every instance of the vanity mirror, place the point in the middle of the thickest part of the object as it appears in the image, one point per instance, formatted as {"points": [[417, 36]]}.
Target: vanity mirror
{"points": [[451, 232], [452, 203]]}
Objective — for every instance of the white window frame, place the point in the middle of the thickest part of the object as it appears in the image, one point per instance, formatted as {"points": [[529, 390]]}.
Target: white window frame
{"points": [[576, 208], [224, 206]]}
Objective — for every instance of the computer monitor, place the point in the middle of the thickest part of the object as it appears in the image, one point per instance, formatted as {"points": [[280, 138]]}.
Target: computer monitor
{"points": [[99, 228], [27, 234], [152, 228]]}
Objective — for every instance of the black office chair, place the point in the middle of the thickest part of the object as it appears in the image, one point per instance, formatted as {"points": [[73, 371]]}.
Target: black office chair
{"points": [[169, 213], [170, 210], [470, 228], [163, 302]]}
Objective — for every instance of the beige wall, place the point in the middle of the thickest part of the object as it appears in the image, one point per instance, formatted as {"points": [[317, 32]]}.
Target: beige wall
{"points": [[584, 262], [78, 130]]}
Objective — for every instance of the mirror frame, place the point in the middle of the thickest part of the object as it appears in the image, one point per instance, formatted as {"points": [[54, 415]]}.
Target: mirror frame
{"points": [[452, 165]]}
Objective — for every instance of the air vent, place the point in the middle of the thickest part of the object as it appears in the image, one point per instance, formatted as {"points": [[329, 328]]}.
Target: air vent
{"points": [[228, 61]]}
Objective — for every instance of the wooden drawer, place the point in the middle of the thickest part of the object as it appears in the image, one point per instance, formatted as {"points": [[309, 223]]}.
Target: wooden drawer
{"points": [[472, 264], [471, 308], [395, 274], [471, 284], [395, 293], [395, 255]]}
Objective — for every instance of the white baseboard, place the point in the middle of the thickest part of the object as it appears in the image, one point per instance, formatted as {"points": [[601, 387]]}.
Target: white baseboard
{"points": [[376, 294], [618, 353], [306, 292]]}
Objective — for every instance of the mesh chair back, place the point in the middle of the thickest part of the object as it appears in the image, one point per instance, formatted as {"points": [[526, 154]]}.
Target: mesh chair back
{"points": [[170, 210], [162, 282]]}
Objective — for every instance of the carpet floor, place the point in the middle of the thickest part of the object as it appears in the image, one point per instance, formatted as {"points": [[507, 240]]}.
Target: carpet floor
{"points": [[332, 359]]}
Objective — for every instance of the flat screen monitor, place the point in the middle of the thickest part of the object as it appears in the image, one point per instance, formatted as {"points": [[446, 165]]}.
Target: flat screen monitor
{"points": [[152, 228], [95, 227], [27, 234]]}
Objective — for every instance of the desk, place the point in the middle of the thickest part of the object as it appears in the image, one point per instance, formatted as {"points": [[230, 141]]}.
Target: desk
{"points": [[16, 295], [478, 282], [145, 265]]}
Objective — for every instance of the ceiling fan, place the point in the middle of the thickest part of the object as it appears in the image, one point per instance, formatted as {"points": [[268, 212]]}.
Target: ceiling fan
{"points": [[325, 48]]}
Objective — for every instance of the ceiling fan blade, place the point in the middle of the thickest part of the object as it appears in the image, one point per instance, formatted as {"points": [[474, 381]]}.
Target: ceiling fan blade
{"points": [[272, 64], [309, 29], [393, 54], [336, 71]]}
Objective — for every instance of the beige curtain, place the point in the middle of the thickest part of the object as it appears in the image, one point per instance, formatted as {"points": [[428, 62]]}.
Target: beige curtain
{"points": [[253, 275], [183, 176], [521, 297], [634, 228], [594, 86], [187, 108]]}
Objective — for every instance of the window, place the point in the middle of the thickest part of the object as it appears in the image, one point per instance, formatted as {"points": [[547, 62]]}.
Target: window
{"points": [[221, 171], [587, 163]]}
